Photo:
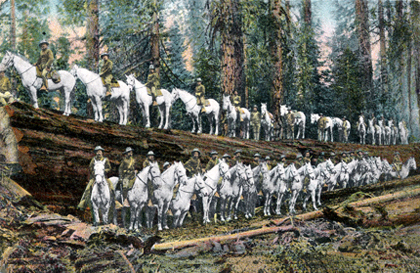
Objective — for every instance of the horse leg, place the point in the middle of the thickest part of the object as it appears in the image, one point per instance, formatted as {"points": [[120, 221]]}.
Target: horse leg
{"points": [[278, 203], [216, 124], [34, 98], [99, 105], [319, 191], [165, 215], [134, 208], [167, 113], [159, 209], [205, 209], [199, 125], [162, 118], [181, 220], [95, 213], [67, 101], [305, 200]]}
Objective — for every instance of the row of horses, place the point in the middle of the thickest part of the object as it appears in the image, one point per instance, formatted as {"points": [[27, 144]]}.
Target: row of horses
{"points": [[384, 132], [239, 184], [121, 97]]}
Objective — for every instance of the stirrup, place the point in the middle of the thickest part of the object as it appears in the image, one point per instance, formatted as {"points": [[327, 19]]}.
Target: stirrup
{"points": [[43, 88], [155, 103]]}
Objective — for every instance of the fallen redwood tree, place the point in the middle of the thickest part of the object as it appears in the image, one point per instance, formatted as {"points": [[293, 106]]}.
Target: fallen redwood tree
{"points": [[332, 213]]}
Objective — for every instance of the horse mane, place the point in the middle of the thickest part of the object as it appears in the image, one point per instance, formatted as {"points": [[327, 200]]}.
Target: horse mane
{"points": [[20, 56]]}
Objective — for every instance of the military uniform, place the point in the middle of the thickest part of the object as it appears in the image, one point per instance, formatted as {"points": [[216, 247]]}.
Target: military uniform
{"points": [[45, 60], [105, 72], [212, 162], [200, 91], [153, 83], [396, 162], [193, 166], [256, 123], [346, 126], [5, 88], [127, 175], [236, 101], [290, 121], [299, 162], [85, 200]]}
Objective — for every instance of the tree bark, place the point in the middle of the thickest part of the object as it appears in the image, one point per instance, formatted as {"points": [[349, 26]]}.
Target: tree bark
{"points": [[307, 12], [382, 48], [92, 34], [362, 27], [12, 25], [154, 41]]}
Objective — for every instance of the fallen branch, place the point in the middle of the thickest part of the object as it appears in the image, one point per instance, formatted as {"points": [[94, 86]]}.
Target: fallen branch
{"points": [[385, 198], [127, 261]]}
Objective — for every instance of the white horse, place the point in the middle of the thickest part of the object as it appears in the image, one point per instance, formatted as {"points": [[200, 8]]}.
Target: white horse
{"points": [[325, 129], [387, 135], [269, 186], [163, 190], [96, 92], [101, 196], [323, 171], [403, 132], [296, 187], [361, 129], [409, 165], [381, 125], [307, 171], [230, 192], [181, 204], [340, 177], [145, 101], [211, 179], [371, 131], [232, 117], [300, 120], [394, 132], [267, 123], [32, 83], [193, 110], [282, 187], [249, 192]]}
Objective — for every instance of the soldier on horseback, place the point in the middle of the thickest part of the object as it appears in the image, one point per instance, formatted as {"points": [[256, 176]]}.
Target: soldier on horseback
{"points": [[299, 161], [237, 157], [193, 165], [105, 72], [127, 174], [166, 166], [396, 162], [236, 101], [44, 63], [88, 191], [5, 89], [256, 161], [307, 158], [213, 160], [290, 123], [153, 83], [256, 122], [200, 91]]}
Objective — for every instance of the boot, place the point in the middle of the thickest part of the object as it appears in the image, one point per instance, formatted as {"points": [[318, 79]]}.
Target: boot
{"points": [[43, 88], [108, 93], [203, 110]]}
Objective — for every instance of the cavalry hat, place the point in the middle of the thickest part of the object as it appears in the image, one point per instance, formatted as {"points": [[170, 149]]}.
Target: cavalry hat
{"points": [[267, 158], [127, 150], [198, 79], [166, 164], [98, 148], [257, 155], [104, 54], [237, 151], [213, 152], [396, 153], [150, 153], [43, 42], [226, 156], [332, 154], [299, 155], [196, 150], [282, 156], [255, 106], [151, 66]]}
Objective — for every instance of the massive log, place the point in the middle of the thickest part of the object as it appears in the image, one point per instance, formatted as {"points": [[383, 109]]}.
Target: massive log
{"points": [[54, 151]]}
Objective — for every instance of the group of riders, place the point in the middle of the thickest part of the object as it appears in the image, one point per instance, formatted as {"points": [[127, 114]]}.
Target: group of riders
{"points": [[129, 167]]}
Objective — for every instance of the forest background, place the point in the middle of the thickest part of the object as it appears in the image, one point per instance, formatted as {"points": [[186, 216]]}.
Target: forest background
{"points": [[339, 58]]}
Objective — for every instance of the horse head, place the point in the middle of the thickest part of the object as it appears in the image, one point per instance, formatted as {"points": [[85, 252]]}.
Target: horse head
{"points": [[330, 166], [309, 171], [314, 118], [283, 109], [248, 176], [131, 81], [73, 70], [99, 171], [180, 173], [7, 60], [154, 172], [226, 102], [175, 94], [224, 169], [412, 163], [199, 184], [263, 109]]}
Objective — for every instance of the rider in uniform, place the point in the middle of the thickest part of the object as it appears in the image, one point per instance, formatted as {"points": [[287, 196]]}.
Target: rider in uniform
{"points": [[256, 122], [45, 60], [283, 160], [256, 161], [166, 166], [268, 162], [237, 157], [299, 161], [88, 191], [5, 89], [213, 160], [153, 83], [193, 165], [127, 174], [105, 72], [150, 158], [290, 121], [200, 91], [396, 162], [307, 158], [236, 101], [228, 159]]}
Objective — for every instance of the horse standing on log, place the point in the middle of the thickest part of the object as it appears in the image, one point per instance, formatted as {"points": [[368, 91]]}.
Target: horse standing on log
{"points": [[267, 123], [325, 127], [230, 192], [299, 121], [96, 93], [32, 83], [232, 117], [145, 101], [403, 132], [361, 129], [193, 110]]}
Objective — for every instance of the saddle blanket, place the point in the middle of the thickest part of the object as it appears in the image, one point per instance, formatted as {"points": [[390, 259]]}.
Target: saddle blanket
{"points": [[206, 103], [114, 83], [158, 92], [322, 122], [53, 75]]}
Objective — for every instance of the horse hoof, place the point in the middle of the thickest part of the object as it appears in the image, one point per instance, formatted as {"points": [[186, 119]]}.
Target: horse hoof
{"points": [[165, 227], [236, 217]]}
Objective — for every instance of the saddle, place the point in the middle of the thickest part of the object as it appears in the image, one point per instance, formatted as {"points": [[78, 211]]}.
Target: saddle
{"points": [[114, 83], [53, 75], [158, 92], [322, 123], [206, 103]]}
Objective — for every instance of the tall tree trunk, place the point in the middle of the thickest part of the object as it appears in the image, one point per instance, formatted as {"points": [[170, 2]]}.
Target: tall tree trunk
{"points": [[307, 12], [382, 48], [415, 24], [362, 26], [277, 52], [154, 41], [92, 34], [12, 25], [409, 56], [232, 50]]}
